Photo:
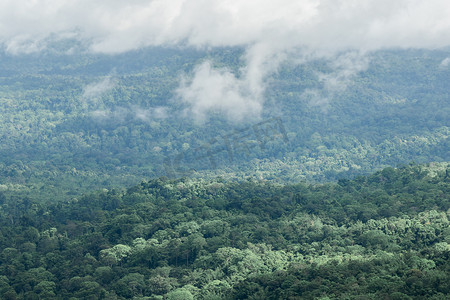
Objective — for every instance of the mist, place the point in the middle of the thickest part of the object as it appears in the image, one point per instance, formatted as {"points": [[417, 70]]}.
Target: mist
{"points": [[445, 63], [92, 92], [271, 32]]}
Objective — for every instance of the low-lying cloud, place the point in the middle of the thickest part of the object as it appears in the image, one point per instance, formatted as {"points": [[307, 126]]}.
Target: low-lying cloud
{"points": [[445, 63], [92, 92], [327, 25], [134, 113], [345, 68], [219, 91], [271, 31]]}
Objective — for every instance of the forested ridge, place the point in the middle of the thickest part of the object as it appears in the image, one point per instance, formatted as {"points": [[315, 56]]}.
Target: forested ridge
{"points": [[191, 149], [382, 236], [74, 123], [277, 206]]}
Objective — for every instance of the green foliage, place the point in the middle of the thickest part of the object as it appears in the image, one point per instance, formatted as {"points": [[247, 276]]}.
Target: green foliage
{"points": [[180, 294], [59, 141], [380, 236]]}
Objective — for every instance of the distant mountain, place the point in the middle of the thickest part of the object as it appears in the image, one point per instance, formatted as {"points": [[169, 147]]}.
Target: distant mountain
{"points": [[75, 122]]}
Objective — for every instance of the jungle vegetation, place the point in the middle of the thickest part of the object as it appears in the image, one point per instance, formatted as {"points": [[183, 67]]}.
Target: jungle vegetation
{"points": [[383, 236]]}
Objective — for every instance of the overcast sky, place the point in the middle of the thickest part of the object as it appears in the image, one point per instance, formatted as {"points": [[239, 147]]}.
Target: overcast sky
{"points": [[116, 26], [269, 30]]}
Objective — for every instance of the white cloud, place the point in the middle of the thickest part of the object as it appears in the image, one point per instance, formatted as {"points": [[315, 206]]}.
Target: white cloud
{"points": [[345, 67], [93, 91], [445, 63], [219, 91], [268, 29], [116, 26]]}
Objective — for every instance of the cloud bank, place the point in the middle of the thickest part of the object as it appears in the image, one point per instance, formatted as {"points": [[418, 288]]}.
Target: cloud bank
{"points": [[115, 26], [269, 30]]}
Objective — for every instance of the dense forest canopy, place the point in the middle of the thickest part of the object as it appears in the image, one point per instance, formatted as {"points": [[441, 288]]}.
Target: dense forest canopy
{"points": [[380, 236], [73, 123], [191, 149]]}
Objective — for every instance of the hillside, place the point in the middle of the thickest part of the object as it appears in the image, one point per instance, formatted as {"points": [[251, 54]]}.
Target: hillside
{"points": [[192, 149], [380, 236], [78, 122]]}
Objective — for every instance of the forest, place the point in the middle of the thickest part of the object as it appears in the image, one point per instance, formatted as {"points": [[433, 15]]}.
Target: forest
{"points": [[111, 188], [380, 236], [193, 149], [75, 123]]}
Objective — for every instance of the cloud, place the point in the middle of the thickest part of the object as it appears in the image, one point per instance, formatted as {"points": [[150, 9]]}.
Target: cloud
{"points": [[149, 114], [219, 91], [93, 91], [116, 26], [345, 67], [445, 63], [121, 114], [269, 30]]}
